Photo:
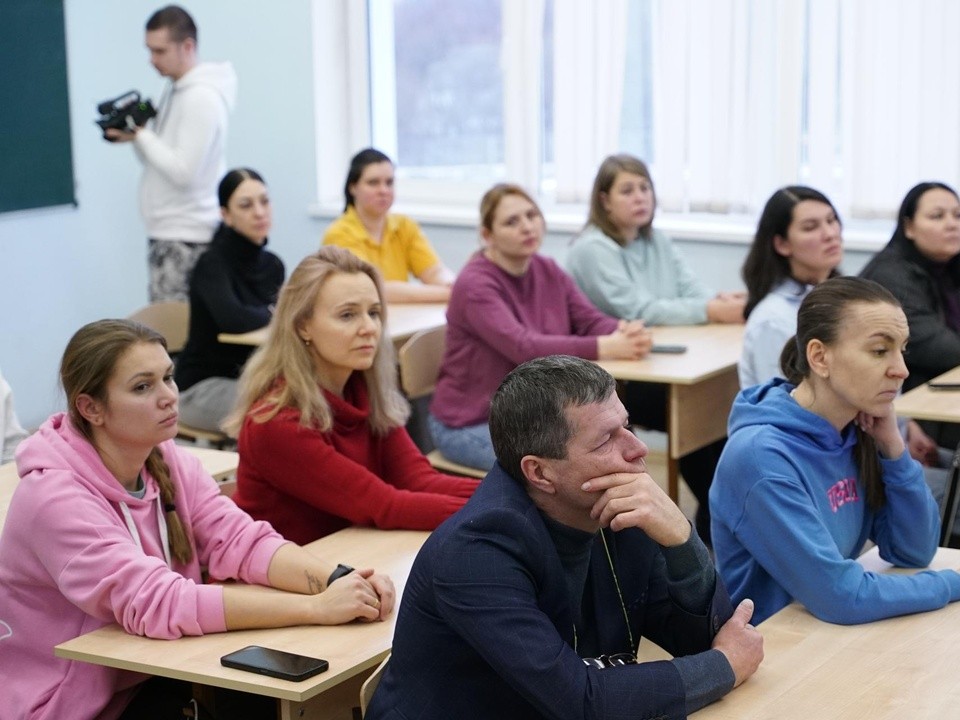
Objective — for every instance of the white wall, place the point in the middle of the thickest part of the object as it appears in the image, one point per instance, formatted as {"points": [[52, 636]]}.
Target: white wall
{"points": [[64, 267]]}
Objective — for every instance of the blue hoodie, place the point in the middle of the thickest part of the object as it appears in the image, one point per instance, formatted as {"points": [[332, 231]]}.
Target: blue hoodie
{"points": [[790, 515]]}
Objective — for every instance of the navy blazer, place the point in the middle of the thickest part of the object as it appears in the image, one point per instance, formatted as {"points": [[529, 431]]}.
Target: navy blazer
{"points": [[485, 629]]}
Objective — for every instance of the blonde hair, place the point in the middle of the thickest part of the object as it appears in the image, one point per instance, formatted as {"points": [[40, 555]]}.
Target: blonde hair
{"points": [[86, 368], [284, 356]]}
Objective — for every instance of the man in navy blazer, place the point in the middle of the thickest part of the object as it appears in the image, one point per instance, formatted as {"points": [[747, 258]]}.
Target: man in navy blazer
{"points": [[530, 601]]}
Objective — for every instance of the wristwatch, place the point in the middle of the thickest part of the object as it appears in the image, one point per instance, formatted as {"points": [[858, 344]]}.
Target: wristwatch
{"points": [[339, 573]]}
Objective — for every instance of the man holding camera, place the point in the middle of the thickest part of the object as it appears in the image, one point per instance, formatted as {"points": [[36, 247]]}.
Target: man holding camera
{"points": [[531, 601], [182, 151]]}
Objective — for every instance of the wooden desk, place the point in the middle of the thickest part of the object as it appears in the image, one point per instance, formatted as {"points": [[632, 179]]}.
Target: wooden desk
{"points": [[221, 464], [353, 651], [922, 403], [404, 320], [702, 385], [892, 669]]}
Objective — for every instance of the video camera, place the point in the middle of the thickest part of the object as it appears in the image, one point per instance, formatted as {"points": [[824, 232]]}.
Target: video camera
{"points": [[124, 112]]}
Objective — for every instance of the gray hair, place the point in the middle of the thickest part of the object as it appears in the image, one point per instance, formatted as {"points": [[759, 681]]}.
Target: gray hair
{"points": [[528, 411]]}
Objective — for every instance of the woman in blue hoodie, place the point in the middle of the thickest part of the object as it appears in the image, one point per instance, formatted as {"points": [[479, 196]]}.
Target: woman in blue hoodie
{"points": [[815, 466]]}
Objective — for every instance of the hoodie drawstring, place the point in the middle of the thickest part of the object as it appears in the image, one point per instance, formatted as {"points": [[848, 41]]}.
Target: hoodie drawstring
{"points": [[162, 523]]}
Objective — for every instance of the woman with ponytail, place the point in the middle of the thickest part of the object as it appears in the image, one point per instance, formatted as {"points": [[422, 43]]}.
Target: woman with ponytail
{"points": [[815, 466], [111, 523]]}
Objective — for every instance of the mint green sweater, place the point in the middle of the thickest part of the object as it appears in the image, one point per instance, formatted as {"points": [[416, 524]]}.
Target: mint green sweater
{"points": [[647, 280]]}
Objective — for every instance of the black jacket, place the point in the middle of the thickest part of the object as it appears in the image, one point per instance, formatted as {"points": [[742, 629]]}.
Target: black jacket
{"points": [[486, 630], [231, 289], [934, 348]]}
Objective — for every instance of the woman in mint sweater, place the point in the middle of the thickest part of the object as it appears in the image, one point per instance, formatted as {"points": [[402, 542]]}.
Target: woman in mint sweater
{"points": [[816, 466], [630, 270]]}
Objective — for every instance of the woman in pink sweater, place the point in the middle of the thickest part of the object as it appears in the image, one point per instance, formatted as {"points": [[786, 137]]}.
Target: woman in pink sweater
{"points": [[322, 439], [111, 523]]}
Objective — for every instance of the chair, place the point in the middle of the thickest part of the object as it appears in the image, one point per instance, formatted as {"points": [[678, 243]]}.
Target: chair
{"points": [[219, 440], [419, 359], [172, 320], [950, 504], [370, 685]]}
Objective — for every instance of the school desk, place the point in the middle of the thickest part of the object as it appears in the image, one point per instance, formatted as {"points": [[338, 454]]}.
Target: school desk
{"points": [[353, 650], [403, 320], [891, 669], [943, 405], [925, 403]]}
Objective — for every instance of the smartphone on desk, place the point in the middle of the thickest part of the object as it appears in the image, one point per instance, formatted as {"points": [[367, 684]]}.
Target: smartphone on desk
{"points": [[669, 349], [275, 663]]}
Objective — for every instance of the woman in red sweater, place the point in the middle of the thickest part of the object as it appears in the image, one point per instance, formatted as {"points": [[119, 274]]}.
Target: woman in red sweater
{"points": [[321, 424]]}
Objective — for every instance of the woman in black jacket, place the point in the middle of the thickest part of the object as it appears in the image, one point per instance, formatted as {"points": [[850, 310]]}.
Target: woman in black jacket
{"points": [[233, 288], [921, 267]]}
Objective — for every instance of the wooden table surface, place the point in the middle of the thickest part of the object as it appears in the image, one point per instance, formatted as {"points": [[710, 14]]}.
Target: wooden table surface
{"points": [[352, 650], [886, 670], [924, 403], [712, 350], [403, 321], [702, 384]]}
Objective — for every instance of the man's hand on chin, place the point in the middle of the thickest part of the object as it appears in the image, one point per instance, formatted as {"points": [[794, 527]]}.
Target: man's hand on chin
{"points": [[633, 499]]}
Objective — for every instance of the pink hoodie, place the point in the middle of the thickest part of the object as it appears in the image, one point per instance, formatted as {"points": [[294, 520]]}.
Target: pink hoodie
{"points": [[69, 565]]}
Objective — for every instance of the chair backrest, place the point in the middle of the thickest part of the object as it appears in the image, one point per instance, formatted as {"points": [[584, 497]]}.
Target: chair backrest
{"points": [[419, 360], [170, 319], [370, 685]]}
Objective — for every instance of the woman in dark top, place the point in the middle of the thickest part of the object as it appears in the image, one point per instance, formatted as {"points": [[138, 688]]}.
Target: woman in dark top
{"points": [[232, 289], [920, 266]]}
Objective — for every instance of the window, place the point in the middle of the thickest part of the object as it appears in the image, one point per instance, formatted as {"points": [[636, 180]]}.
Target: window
{"points": [[438, 96], [726, 99]]}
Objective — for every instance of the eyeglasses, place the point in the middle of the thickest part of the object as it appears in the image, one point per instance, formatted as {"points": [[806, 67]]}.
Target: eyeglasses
{"points": [[609, 661]]}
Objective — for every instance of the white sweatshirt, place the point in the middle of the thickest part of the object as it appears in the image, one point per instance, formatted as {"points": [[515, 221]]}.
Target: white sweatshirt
{"points": [[11, 432], [183, 153]]}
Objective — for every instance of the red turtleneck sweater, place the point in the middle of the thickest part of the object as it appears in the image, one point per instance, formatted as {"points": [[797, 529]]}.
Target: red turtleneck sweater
{"points": [[308, 484]]}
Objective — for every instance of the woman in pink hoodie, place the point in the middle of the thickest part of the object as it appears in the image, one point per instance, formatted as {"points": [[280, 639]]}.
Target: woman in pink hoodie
{"points": [[111, 523]]}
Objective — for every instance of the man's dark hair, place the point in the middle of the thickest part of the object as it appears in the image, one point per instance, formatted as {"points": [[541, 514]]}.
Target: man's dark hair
{"points": [[528, 411], [177, 21]]}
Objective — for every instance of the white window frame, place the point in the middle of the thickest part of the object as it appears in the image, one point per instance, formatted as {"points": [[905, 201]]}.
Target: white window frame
{"points": [[344, 81]]}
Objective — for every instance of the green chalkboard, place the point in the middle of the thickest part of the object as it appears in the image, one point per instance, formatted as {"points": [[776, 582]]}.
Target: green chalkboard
{"points": [[36, 163]]}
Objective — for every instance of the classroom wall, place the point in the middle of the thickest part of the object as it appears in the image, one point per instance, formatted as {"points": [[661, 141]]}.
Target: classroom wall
{"points": [[63, 267]]}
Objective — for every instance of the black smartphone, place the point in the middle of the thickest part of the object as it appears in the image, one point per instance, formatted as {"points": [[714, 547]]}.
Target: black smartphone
{"points": [[275, 663], [669, 349], [944, 386]]}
